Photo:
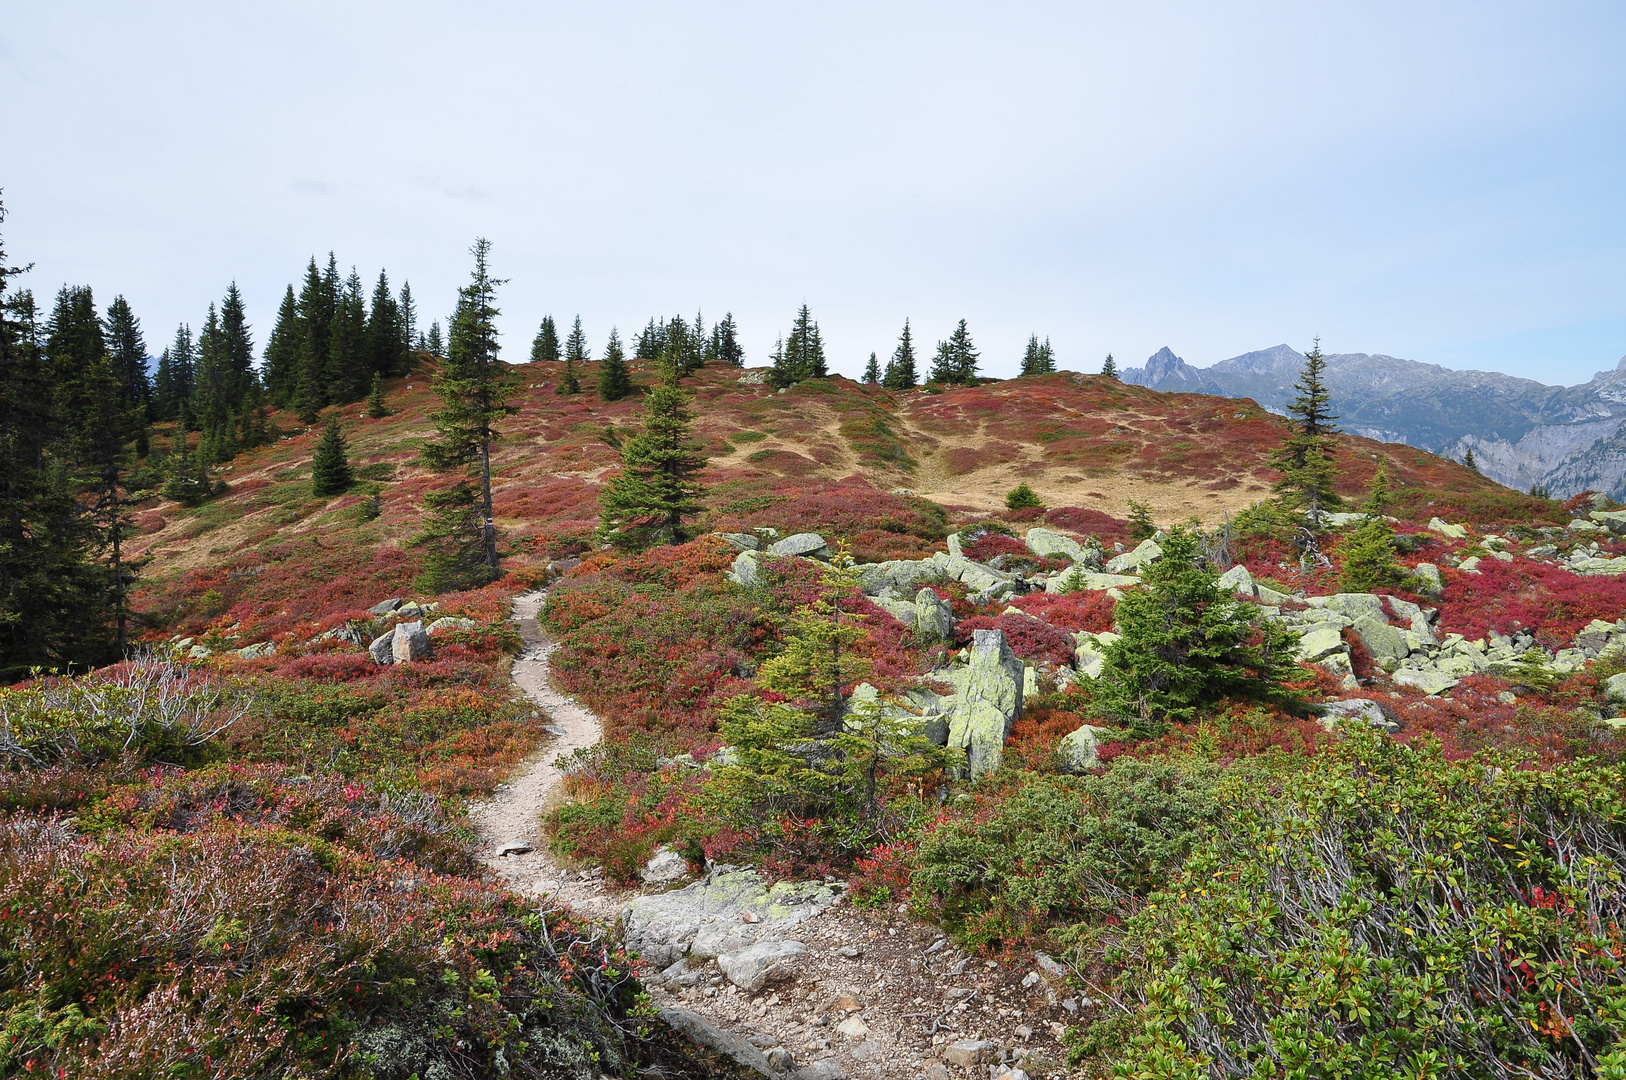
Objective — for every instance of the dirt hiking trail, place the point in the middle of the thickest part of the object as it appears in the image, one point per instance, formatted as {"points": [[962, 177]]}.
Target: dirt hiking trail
{"points": [[876, 996]]}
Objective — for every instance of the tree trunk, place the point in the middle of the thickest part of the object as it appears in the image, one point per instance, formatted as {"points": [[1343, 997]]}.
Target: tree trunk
{"points": [[490, 522]]}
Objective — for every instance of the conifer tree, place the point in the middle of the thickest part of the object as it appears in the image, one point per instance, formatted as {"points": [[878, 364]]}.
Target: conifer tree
{"points": [[318, 305], [474, 388], [802, 356], [872, 370], [239, 345], [386, 341], [375, 398], [1378, 496], [1110, 368], [434, 344], [1187, 643], [1468, 461], [129, 355], [657, 488], [613, 381], [1141, 525], [173, 387], [1022, 497], [348, 370], [956, 361], [53, 607], [281, 360], [214, 389], [726, 342], [545, 346], [330, 466], [1368, 556], [93, 430], [900, 370], [576, 354], [410, 336], [651, 343], [1305, 458], [1039, 359]]}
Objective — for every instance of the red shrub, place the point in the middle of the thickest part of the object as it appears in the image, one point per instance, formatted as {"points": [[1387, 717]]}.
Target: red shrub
{"points": [[992, 544], [1087, 522], [1028, 638], [1077, 611], [1547, 600]]}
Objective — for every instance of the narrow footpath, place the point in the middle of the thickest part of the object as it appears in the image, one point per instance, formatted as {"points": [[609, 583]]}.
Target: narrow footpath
{"points": [[876, 997]]}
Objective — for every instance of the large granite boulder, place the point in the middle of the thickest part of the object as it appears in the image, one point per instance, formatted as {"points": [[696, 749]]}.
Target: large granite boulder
{"points": [[897, 577], [1613, 520], [1080, 580], [409, 642], [1238, 580], [1078, 750], [1386, 644], [988, 701], [1090, 653], [905, 611], [1319, 643], [383, 648]]}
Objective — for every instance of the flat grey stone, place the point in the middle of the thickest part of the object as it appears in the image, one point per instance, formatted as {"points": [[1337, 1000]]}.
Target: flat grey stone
{"points": [[762, 964], [384, 607], [1043, 542], [698, 1029], [808, 544], [1429, 682], [1363, 709]]}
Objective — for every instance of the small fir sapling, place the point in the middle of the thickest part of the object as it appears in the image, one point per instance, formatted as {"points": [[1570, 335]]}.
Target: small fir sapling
{"points": [[375, 399], [872, 370], [330, 467], [657, 488], [1110, 368], [1022, 497], [1141, 525], [1187, 643]]}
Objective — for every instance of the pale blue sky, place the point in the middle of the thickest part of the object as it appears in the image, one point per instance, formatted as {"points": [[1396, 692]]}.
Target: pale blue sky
{"points": [[1441, 182]]}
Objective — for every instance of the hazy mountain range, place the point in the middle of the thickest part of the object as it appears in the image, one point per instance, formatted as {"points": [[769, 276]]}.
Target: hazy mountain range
{"points": [[1523, 433]]}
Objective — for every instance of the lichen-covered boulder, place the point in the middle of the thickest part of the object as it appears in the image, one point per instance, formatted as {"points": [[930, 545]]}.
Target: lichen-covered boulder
{"points": [[1429, 682], [1363, 709], [1386, 644], [762, 964], [1091, 651], [741, 541], [661, 927], [1147, 551], [1078, 580], [933, 616], [1045, 542], [897, 577], [1427, 575], [1319, 643], [988, 701], [902, 610], [1448, 530], [451, 622], [747, 569], [1613, 520], [1078, 750], [1614, 687], [1237, 580]]}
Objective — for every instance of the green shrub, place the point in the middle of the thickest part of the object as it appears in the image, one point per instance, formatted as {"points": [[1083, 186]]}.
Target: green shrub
{"points": [[1368, 555], [1060, 853], [1390, 913]]}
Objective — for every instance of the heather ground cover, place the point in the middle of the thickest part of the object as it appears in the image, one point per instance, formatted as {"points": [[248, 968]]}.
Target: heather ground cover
{"points": [[336, 801]]}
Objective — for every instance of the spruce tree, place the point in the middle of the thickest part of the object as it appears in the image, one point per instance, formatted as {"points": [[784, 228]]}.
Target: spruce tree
{"points": [[1022, 497], [956, 361], [239, 345], [1305, 458], [375, 398], [1110, 368], [1368, 556], [330, 465], [651, 343], [1469, 462], [545, 346], [1187, 644], [802, 356], [646, 504], [53, 608], [281, 360], [410, 336], [214, 389], [694, 351], [348, 371], [173, 387], [474, 388], [576, 354], [1033, 359], [614, 383], [872, 370], [434, 344], [900, 370], [386, 341], [318, 305], [129, 355], [726, 342]]}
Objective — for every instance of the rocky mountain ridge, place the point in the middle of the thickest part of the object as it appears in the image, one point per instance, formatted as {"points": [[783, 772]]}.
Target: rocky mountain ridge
{"points": [[1523, 433]]}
